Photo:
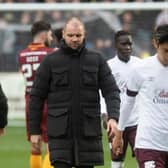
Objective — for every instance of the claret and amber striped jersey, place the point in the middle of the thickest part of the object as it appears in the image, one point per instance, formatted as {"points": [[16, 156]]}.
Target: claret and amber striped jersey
{"points": [[30, 59]]}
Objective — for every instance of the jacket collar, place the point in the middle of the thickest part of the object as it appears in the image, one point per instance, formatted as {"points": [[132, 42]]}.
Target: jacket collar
{"points": [[71, 51]]}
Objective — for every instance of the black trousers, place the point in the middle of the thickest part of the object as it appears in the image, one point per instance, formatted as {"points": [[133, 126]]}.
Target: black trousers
{"points": [[64, 165]]}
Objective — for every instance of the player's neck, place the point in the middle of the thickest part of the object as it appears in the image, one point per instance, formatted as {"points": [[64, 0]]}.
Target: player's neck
{"points": [[123, 58], [38, 40], [162, 61]]}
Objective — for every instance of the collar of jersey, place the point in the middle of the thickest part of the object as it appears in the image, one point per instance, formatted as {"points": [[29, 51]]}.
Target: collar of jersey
{"points": [[35, 46]]}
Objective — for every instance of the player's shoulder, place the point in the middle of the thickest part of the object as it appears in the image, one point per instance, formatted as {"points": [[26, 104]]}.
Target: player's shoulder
{"points": [[144, 65], [55, 54], [134, 61], [23, 51], [135, 58], [148, 61], [48, 49], [113, 61]]}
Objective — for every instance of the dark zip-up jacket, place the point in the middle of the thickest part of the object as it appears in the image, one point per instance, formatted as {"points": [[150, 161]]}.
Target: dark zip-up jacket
{"points": [[3, 109], [70, 81]]}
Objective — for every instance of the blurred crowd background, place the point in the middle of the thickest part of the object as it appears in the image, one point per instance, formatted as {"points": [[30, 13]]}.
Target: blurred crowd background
{"points": [[100, 25]]}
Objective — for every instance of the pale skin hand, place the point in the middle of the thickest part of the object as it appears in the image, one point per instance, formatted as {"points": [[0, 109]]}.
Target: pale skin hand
{"points": [[1, 131], [111, 127], [36, 141]]}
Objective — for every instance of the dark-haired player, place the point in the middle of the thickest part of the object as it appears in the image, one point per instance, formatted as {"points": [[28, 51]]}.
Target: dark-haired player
{"points": [[29, 60], [58, 36], [121, 66], [149, 81]]}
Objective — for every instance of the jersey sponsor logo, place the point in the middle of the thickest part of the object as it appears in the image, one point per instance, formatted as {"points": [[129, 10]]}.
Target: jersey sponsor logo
{"points": [[150, 164], [33, 53], [161, 96]]}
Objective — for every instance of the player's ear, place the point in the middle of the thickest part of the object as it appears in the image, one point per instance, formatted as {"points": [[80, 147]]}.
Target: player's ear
{"points": [[44, 35]]}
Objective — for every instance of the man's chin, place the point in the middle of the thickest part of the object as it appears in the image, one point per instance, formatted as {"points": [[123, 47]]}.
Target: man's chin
{"points": [[75, 47]]}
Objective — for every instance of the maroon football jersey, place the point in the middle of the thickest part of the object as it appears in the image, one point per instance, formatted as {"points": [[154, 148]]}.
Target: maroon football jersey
{"points": [[30, 59]]}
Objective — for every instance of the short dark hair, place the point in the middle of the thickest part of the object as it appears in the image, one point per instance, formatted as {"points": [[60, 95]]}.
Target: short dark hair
{"points": [[161, 34], [121, 33], [58, 34], [39, 26]]}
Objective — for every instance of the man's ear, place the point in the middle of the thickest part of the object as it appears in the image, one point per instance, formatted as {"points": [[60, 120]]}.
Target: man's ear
{"points": [[155, 44], [63, 34]]}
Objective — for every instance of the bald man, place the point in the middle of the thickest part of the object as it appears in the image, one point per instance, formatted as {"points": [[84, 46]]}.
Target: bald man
{"points": [[70, 79]]}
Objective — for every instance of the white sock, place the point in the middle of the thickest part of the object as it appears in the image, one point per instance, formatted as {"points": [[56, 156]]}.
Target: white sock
{"points": [[110, 145], [137, 165], [116, 164]]}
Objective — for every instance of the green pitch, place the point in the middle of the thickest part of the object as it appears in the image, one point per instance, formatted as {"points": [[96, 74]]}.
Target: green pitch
{"points": [[14, 150]]}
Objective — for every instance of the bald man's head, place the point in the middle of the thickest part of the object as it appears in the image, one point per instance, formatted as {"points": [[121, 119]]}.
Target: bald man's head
{"points": [[74, 33], [75, 22]]}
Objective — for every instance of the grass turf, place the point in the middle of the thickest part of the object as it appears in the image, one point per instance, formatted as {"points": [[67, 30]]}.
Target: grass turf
{"points": [[14, 150]]}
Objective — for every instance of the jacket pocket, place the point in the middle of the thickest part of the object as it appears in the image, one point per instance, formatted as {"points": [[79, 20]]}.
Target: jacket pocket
{"points": [[61, 77], [89, 76], [92, 122], [57, 122]]}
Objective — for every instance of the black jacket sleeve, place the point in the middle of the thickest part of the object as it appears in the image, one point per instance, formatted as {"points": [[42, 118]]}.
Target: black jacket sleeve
{"points": [[3, 109], [38, 96], [109, 89]]}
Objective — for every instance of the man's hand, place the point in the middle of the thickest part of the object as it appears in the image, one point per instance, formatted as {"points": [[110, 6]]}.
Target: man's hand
{"points": [[1, 131], [117, 143], [111, 128], [36, 141]]}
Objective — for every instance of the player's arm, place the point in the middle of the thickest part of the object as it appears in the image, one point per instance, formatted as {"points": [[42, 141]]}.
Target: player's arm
{"points": [[127, 107], [38, 96], [133, 87]]}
